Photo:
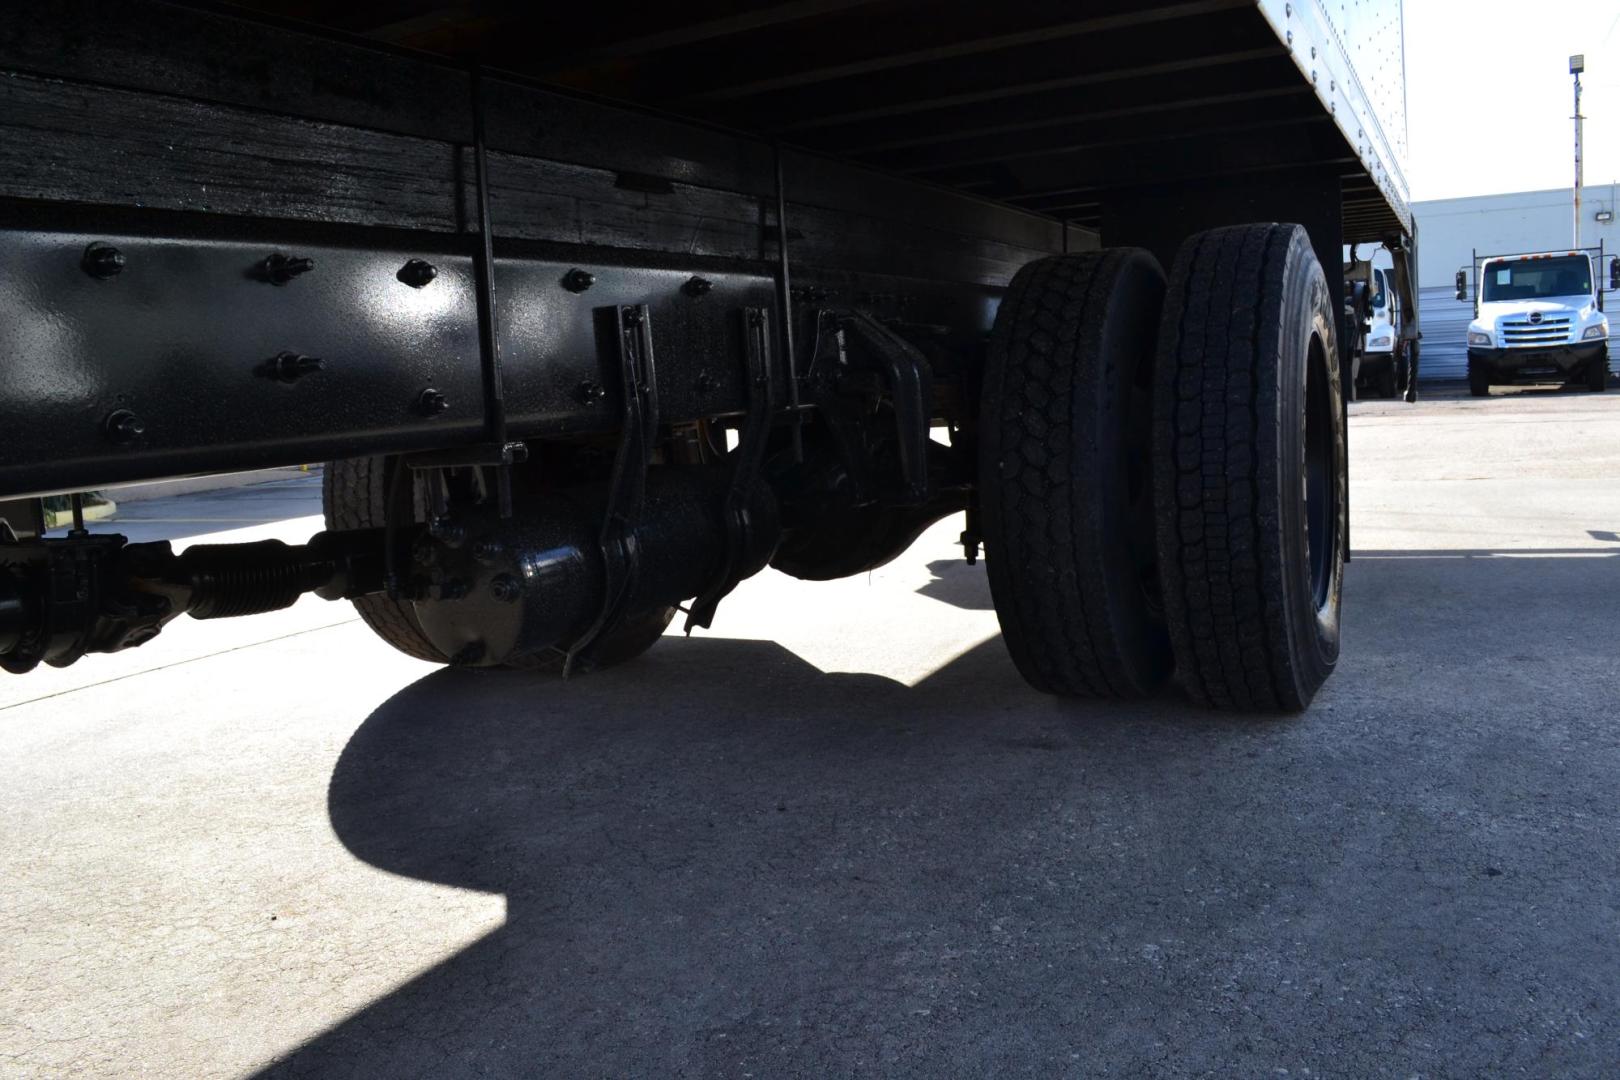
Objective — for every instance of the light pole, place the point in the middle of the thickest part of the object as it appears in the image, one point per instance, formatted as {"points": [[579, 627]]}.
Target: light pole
{"points": [[1577, 64]]}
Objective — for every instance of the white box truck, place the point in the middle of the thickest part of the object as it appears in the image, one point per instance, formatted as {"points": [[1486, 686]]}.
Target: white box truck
{"points": [[1538, 317]]}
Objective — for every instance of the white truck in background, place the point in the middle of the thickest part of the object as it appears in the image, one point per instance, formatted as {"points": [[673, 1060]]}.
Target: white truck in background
{"points": [[1538, 317], [1384, 362]]}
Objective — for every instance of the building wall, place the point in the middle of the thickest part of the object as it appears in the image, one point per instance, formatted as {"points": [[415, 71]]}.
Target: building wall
{"points": [[1450, 230]]}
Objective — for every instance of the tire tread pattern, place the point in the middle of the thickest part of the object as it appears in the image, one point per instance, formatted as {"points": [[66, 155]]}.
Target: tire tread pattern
{"points": [[354, 493], [1043, 547], [1216, 425]]}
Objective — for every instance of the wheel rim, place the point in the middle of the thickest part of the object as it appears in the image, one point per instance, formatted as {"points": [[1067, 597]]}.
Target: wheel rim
{"points": [[1319, 481]]}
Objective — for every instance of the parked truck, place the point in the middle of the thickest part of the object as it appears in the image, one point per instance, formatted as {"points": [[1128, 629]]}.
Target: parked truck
{"points": [[596, 312], [1538, 318], [1388, 358]]}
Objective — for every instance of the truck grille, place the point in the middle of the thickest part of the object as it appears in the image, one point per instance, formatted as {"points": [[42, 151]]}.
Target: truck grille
{"points": [[1551, 330]]}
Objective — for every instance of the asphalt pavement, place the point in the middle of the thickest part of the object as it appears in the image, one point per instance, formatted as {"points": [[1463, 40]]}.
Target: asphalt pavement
{"points": [[837, 836]]}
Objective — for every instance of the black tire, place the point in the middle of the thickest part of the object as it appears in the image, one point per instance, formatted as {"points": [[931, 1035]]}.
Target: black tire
{"points": [[1597, 375], [1065, 490], [1479, 383], [1386, 381], [1249, 469], [354, 494]]}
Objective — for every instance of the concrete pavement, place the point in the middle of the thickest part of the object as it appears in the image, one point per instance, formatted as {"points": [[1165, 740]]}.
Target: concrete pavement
{"points": [[838, 836]]}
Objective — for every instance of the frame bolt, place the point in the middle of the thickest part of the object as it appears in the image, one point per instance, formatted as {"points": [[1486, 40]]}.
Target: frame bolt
{"points": [[577, 280], [697, 286], [123, 426], [506, 588], [705, 382], [290, 366], [590, 393], [102, 261], [431, 402], [417, 273], [280, 269]]}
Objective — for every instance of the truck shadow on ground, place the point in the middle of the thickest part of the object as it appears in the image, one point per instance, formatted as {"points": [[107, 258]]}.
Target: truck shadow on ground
{"points": [[722, 860], [958, 584], [719, 853]]}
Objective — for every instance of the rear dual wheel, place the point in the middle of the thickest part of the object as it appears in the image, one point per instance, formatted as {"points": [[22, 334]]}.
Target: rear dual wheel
{"points": [[1249, 470], [1162, 473], [1066, 494]]}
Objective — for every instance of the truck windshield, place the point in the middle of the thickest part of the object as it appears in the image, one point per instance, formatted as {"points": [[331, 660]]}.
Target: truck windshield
{"points": [[1380, 295], [1536, 279]]}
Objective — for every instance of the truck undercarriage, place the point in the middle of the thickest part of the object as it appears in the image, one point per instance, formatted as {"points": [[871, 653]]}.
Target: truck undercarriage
{"points": [[579, 365]]}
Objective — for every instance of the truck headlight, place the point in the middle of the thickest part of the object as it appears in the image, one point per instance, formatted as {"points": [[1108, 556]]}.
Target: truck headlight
{"points": [[1591, 332], [1379, 342], [1476, 337]]}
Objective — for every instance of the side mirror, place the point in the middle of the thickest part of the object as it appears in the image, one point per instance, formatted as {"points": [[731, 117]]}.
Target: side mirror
{"points": [[1462, 284], [1614, 272]]}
